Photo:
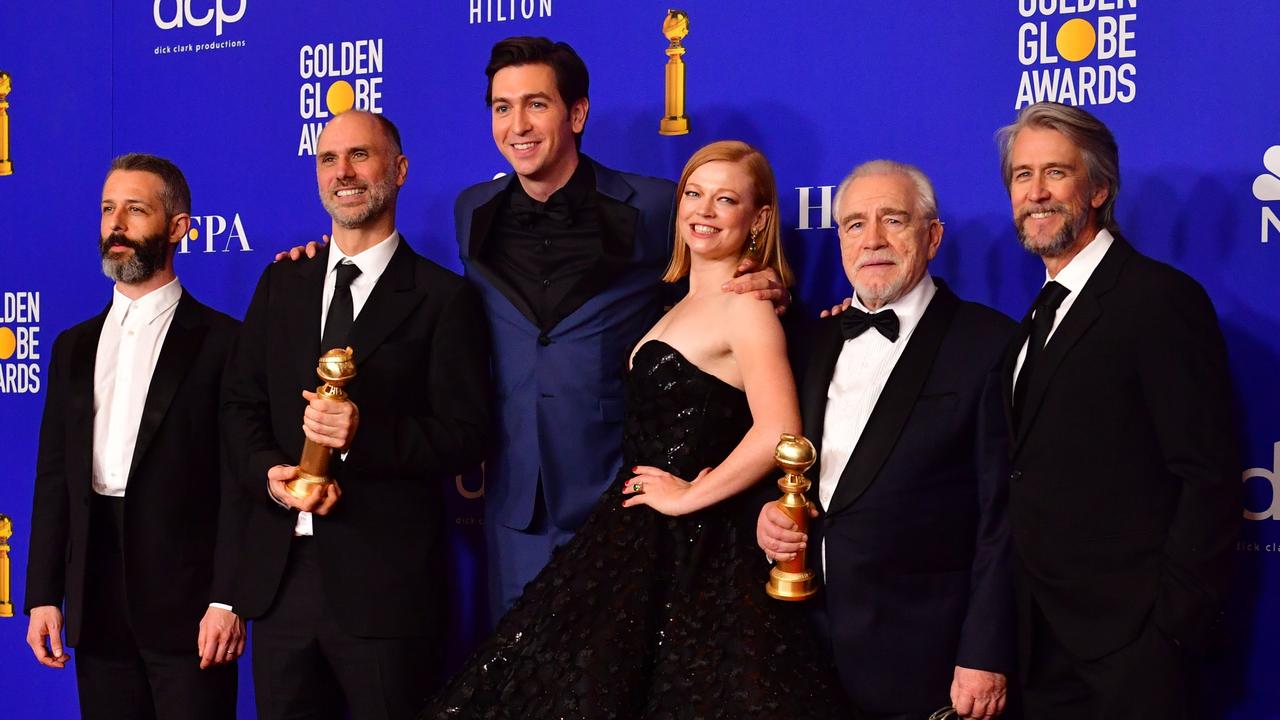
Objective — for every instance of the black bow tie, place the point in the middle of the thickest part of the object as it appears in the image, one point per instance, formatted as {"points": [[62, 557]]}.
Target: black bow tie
{"points": [[527, 210], [854, 322]]}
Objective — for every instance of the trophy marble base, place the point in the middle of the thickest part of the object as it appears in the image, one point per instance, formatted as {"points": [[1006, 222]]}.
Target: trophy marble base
{"points": [[791, 586], [674, 126]]}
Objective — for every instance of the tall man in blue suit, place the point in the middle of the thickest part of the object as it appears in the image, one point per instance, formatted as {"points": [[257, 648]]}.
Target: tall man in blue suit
{"points": [[568, 258], [902, 398]]}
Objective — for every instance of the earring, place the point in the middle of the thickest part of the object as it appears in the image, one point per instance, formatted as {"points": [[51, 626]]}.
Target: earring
{"points": [[751, 248]]}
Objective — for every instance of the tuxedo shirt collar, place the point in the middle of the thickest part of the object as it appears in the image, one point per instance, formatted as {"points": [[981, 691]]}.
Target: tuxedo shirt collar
{"points": [[1081, 267], [909, 308], [372, 261], [146, 309]]}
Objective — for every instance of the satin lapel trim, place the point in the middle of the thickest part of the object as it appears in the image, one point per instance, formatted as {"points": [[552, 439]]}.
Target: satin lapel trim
{"points": [[303, 306], [896, 401], [393, 298], [1011, 362], [84, 358], [817, 380], [481, 227], [1083, 314], [181, 344]]}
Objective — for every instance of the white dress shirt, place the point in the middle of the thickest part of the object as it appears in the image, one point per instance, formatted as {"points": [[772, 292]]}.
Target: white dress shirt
{"points": [[372, 263], [861, 372], [128, 349], [1072, 277]]}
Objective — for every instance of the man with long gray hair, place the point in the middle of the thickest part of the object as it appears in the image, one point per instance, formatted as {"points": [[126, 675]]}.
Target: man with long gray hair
{"points": [[1124, 493]]}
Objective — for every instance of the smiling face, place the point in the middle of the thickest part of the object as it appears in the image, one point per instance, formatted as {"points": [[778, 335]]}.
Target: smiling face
{"points": [[886, 242], [135, 233], [533, 127], [358, 171], [1054, 205], [718, 211]]}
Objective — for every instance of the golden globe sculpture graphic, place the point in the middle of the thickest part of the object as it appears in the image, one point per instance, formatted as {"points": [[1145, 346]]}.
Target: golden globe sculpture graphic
{"points": [[675, 27], [6, 165]]}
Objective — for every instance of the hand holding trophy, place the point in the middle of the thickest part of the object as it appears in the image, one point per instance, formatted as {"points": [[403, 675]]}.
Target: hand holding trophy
{"points": [[791, 579], [336, 368]]}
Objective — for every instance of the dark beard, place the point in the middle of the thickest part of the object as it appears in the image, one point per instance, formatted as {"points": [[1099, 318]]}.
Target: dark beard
{"points": [[147, 259]]}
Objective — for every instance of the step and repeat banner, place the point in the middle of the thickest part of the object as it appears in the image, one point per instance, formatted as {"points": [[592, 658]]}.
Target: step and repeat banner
{"points": [[236, 92]]}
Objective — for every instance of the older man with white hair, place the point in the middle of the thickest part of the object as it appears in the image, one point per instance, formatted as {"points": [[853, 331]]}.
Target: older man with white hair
{"points": [[902, 398]]}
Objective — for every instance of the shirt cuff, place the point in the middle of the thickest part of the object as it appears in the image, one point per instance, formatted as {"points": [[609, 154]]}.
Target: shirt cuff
{"points": [[221, 606]]}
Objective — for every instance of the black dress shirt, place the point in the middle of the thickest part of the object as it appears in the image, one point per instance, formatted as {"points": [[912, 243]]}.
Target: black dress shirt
{"points": [[546, 250]]}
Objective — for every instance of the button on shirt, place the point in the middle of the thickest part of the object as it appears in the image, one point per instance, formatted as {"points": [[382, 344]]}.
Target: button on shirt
{"points": [[862, 369], [128, 348], [372, 263], [1072, 277]]}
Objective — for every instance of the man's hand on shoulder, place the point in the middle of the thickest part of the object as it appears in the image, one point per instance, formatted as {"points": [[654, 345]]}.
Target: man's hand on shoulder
{"points": [[296, 252], [837, 309], [765, 284], [319, 501], [221, 637], [978, 694], [44, 635]]}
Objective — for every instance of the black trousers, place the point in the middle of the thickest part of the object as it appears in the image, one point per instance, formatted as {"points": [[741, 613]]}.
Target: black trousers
{"points": [[305, 666], [1148, 678], [118, 680]]}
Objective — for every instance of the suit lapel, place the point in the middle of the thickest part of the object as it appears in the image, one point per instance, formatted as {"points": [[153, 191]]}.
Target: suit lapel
{"points": [[482, 219], [181, 343], [896, 400], [1006, 374], [84, 357], [1082, 314], [817, 379], [303, 306], [394, 296]]}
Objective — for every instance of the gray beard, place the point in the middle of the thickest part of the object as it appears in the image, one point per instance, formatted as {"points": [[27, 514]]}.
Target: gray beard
{"points": [[1061, 241], [147, 259]]}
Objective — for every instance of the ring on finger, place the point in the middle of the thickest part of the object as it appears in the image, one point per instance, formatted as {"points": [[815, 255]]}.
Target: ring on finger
{"points": [[637, 486]]}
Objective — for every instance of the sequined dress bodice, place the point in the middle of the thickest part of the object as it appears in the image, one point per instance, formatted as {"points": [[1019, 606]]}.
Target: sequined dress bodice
{"points": [[647, 616]]}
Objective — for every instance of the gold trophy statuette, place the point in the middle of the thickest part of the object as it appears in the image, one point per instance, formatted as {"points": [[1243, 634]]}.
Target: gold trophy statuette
{"points": [[791, 579], [336, 368], [675, 27], [6, 603], [6, 167]]}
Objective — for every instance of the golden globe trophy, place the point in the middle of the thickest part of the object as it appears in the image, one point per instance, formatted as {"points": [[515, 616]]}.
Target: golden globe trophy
{"points": [[675, 28], [336, 368], [6, 603], [6, 166], [792, 579]]}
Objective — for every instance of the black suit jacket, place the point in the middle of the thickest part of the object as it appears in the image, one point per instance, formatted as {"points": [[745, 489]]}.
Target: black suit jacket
{"points": [[916, 535], [1125, 489], [182, 508], [422, 387]]}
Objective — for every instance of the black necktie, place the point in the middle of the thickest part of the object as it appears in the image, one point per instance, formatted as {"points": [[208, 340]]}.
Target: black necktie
{"points": [[1046, 308], [337, 323], [854, 322]]}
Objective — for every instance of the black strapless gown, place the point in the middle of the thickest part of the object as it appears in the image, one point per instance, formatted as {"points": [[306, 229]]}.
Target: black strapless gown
{"points": [[642, 615]]}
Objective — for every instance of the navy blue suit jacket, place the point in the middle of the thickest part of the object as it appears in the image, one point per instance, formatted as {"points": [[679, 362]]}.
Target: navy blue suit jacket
{"points": [[917, 536], [560, 393]]}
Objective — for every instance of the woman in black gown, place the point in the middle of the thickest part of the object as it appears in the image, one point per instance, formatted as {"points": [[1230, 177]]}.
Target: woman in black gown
{"points": [[656, 608]]}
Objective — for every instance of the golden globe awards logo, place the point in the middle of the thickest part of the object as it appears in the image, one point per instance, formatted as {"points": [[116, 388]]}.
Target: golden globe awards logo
{"points": [[215, 233], [20, 343], [1075, 59], [1266, 188], [337, 77]]}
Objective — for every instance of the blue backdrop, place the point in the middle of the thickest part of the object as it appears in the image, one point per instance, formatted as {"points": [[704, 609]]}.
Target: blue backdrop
{"points": [[234, 91]]}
